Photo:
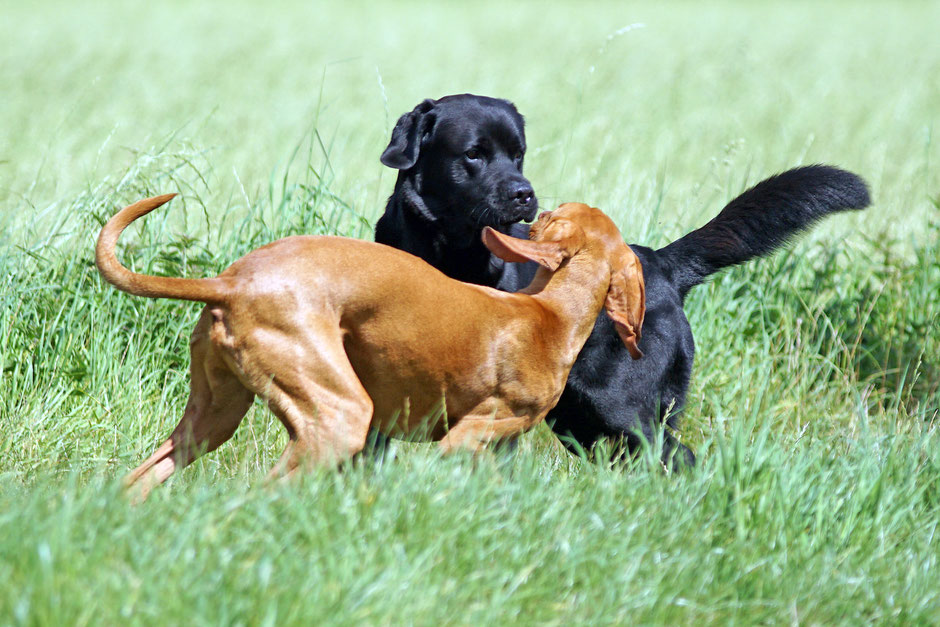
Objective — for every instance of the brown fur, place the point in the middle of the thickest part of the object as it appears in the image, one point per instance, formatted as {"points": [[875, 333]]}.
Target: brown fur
{"points": [[340, 335]]}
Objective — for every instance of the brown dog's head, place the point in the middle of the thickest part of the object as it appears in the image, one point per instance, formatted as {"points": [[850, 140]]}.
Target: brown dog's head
{"points": [[559, 235]]}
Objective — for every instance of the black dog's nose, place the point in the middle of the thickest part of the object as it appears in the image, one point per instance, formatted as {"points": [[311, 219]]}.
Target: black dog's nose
{"points": [[523, 194]]}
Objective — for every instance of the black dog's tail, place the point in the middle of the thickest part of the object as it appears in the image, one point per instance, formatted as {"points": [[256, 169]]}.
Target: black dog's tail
{"points": [[762, 219]]}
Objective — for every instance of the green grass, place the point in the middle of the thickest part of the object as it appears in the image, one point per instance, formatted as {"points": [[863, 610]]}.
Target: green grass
{"points": [[816, 388], [758, 534]]}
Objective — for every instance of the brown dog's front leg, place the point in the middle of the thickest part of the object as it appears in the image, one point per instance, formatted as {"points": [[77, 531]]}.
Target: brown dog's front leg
{"points": [[474, 433]]}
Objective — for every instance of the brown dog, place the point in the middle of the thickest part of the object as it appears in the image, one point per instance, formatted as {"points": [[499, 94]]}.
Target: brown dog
{"points": [[338, 335]]}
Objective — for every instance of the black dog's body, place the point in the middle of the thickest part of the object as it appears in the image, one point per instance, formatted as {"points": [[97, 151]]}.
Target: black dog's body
{"points": [[609, 394], [438, 211]]}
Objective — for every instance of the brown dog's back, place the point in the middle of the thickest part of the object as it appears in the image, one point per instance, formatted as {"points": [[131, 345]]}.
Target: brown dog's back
{"points": [[311, 286]]}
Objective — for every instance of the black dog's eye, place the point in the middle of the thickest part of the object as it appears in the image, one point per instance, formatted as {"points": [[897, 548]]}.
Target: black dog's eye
{"points": [[473, 154], [517, 156]]}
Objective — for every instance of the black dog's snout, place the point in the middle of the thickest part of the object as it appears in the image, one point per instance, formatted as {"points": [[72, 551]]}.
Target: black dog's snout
{"points": [[523, 194], [523, 201], [523, 204]]}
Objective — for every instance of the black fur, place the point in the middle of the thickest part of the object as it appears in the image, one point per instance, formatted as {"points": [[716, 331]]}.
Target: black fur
{"points": [[609, 394], [460, 169], [762, 219], [436, 213]]}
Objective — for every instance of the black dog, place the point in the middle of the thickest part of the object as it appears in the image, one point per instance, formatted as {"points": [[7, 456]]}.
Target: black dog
{"points": [[460, 169], [444, 197]]}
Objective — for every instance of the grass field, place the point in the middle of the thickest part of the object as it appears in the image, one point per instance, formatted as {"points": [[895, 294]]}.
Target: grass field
{"points": [[816, 390]]}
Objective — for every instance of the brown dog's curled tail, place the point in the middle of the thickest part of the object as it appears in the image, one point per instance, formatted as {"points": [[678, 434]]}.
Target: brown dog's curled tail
{"points": [[211, 291]]}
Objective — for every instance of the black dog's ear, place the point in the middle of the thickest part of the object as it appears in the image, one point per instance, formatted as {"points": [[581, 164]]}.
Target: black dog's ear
{"points": [[402, 150]]}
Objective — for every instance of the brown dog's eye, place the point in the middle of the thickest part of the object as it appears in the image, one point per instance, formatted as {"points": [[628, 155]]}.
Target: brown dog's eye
{"points": [[473, 154]]}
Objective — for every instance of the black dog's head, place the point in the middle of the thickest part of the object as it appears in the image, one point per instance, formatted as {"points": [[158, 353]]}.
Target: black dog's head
{"points": [[463, 156]]}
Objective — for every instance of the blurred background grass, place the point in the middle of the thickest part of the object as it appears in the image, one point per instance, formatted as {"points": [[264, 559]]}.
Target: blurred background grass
{"points": [[815, 390], [702, 98]]}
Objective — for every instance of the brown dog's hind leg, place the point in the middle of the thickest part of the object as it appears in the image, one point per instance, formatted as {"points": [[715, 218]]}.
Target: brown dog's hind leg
{"points": [[321, 402], [324, 428], [217, 403]]}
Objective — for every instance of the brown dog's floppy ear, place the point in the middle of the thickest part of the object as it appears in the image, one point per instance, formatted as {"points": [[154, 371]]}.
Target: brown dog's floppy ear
{"points": [[402, 151], [547, 254], [626, 301]]}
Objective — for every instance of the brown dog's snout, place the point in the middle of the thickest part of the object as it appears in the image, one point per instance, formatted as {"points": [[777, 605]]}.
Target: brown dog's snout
{"points": [[535, 231]]}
